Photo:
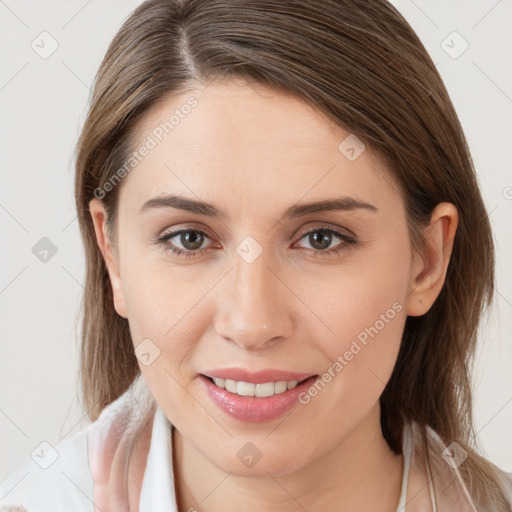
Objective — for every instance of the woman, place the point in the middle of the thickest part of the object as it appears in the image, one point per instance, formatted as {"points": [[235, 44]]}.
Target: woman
{"points": [[287, 260]]}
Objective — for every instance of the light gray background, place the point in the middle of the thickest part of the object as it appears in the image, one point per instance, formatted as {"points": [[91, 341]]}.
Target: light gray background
{"points": [[43, 102]]}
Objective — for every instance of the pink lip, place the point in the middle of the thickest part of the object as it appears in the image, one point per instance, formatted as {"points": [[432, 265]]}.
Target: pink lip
{"points": [[250, 408], [259, 377]]}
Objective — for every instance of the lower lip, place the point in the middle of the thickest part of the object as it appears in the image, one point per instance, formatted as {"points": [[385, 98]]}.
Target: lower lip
{"points": [[254, 409]]}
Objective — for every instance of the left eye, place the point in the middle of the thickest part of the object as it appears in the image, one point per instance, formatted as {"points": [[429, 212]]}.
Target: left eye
{"points": [[321, 239]]}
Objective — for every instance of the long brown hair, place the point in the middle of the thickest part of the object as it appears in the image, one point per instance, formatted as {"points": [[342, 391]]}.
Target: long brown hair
{"points": [[362, 65]]}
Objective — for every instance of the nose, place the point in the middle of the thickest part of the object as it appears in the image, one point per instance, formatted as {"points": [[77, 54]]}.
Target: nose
{"points": [[254, 306]]}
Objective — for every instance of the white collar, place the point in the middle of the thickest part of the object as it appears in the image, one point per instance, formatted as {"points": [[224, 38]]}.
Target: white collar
{"points": [[158, 493]]}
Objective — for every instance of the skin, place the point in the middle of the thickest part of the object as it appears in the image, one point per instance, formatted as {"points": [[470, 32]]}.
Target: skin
{"points": [[255, 152]]}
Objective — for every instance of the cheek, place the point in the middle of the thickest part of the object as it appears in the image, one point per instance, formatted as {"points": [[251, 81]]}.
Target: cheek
{"points": [[369, 284], [165, 323], [153, 294], [165, 306], [364, 307], [361, 355]]}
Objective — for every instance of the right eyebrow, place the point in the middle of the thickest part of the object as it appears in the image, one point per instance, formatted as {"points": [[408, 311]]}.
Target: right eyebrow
{"points": [[184, 203]]}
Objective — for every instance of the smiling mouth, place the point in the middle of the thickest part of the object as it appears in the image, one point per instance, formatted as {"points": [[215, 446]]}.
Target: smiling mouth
{"points": [[261, 390]]}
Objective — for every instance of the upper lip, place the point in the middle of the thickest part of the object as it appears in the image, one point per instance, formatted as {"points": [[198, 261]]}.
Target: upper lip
{"points": [[257, 377]]}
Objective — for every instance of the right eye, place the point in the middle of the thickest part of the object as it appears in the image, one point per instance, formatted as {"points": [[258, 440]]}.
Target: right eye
{"points": [[190, 240]]}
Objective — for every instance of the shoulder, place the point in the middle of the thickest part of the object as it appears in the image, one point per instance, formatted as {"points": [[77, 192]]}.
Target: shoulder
{"points": [[61, 478], [447, 460], [55, 478]]}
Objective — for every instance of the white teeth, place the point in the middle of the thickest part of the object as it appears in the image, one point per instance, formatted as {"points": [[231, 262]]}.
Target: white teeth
{"points": [[230, 385], [281, 387], [245, 388], [264, 390], [259, 390], [219, 382]]}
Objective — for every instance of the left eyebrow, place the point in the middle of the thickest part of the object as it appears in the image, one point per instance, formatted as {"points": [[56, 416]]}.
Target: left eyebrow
{"points": [[297, 210], [337, 204]]}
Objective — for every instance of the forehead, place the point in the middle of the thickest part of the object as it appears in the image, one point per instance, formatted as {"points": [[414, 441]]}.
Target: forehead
{"points": [[240, 141]]}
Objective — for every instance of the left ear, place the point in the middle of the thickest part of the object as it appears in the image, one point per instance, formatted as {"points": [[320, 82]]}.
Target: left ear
{"points": [[429, 269]]}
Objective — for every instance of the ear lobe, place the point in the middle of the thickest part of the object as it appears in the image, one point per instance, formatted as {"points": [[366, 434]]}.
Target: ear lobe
{"points": [[429, 269], [99, 218]]}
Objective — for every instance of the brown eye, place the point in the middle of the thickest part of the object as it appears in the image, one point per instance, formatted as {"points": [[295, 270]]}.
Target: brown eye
{"points": [[321, 239], [185, 242], [191, 240]]}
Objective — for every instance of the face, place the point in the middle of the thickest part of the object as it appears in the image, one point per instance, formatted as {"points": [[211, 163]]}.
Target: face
{"points": [[256, 290]]}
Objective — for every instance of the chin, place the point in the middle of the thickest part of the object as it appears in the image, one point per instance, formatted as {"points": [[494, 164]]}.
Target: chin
{"points": [[257, 458]]}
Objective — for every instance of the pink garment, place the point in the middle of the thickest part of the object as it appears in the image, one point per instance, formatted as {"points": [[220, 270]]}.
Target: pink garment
{"points": [[118, 446]]}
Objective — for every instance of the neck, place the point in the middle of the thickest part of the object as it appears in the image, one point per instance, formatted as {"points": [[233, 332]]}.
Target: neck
{"points": [[360, 473]]}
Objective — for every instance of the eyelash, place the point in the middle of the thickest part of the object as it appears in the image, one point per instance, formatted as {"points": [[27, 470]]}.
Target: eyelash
{"points": [[164, 240]]}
